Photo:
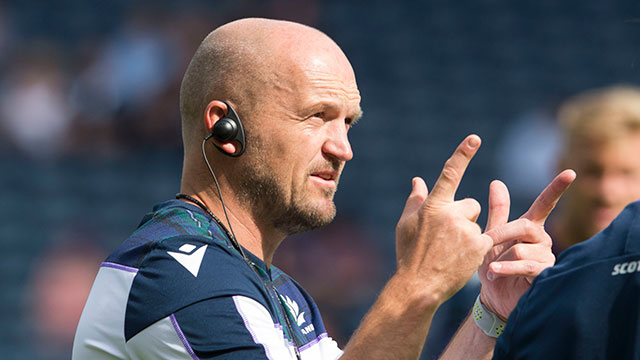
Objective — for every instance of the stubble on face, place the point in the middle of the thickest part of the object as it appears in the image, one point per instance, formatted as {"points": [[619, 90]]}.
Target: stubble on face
{"points": [[263, 182], [261, 189]]}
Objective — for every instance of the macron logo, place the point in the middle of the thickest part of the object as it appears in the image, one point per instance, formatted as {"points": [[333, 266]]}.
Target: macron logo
{"points": [[189, 257]]}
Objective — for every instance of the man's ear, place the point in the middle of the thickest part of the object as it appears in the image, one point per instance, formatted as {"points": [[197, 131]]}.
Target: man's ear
{"points": [[215, 111]]}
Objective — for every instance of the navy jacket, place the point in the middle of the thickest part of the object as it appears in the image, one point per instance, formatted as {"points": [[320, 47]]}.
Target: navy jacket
{"points": [[587, 306]]}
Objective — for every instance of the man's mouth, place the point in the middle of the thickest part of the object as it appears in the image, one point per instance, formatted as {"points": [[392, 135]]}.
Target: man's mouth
{"points": [[325, 177]]}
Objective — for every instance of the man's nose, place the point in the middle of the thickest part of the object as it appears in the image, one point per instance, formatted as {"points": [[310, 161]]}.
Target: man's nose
{"points": [[337, 144]]}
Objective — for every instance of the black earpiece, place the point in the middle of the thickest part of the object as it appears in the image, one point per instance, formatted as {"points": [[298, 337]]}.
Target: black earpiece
{"points": [[229, 129]]}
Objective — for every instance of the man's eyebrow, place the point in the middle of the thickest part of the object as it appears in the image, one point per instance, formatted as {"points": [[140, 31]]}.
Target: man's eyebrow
{"points": [[354, 115], [357, 115]]}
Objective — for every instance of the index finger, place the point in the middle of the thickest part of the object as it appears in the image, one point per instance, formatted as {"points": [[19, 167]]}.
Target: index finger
{"points": [[548, 198], [451, 175]]}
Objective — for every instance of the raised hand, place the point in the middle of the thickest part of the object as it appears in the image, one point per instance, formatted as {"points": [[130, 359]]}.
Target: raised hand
{"points": [[522, 248], [438, 243]]}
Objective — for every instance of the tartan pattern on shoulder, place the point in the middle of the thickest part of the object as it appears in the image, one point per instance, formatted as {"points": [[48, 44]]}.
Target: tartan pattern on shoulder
{"points": [[167, 220]]}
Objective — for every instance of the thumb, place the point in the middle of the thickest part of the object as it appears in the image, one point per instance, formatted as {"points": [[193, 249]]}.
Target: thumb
{"points": [[499, 204], [419, 193]]}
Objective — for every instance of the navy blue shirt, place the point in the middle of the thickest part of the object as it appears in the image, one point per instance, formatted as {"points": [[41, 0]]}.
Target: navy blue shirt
{"points": [[178, 289], [587, 306]]}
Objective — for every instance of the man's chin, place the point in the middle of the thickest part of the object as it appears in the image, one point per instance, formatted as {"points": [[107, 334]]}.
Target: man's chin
{"points": [[601, 218], [299, 219], [321, 215]]}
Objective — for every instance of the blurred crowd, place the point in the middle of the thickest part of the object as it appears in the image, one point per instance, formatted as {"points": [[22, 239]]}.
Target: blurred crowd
{"points": [[110, 92], [82, 78], [79, 82], [94, 81]]}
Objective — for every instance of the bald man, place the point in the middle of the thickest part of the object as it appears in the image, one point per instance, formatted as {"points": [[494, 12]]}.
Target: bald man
{"points": [[269, 105]]}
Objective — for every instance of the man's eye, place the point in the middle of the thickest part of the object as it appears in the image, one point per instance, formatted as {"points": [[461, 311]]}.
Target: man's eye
{"points": [[319, 115], [351, 121]]}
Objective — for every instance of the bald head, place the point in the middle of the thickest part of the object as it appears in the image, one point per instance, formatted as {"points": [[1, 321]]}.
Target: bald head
{"points": [[297, 96], [239, 62]]}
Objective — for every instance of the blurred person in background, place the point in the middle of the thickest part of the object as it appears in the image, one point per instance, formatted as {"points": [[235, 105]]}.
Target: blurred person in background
{"points": [[185, 286], [586, 306], [34, 112], [120, 95], [58, 288], [601, 133]]}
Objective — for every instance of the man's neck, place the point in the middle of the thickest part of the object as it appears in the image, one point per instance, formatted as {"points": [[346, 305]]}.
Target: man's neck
{"points": [[258, 238], [567, 235]]}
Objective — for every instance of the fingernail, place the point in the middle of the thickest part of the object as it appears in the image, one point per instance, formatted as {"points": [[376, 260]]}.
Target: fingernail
{"points": [[473, 142], [490, 275]]}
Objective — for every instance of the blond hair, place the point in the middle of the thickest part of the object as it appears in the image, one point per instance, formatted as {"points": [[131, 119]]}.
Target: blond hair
{"points": [[600, 115]]}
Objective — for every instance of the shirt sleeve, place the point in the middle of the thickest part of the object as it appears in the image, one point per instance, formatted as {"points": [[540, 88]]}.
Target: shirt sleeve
{"points": [[235, 327]]}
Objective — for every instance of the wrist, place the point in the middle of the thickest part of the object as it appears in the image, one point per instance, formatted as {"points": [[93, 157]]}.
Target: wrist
{"points": [[416, 296], [486, 320], [488, 304]]}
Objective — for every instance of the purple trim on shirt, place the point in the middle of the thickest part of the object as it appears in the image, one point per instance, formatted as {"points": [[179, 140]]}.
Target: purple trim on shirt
{"points": [[183, 338], [119, 267], [247, 326], [281, 329], [313, 342]]}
